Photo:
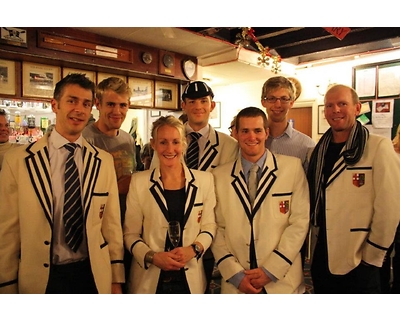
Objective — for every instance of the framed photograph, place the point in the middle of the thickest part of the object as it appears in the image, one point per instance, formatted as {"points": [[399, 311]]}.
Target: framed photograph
{"points": [[14, 36], [39, 80], [323, 124], [215, 116], [91, 75], [101, 76], [166, 95], [7, 77], [155, 113], [142, 92]]}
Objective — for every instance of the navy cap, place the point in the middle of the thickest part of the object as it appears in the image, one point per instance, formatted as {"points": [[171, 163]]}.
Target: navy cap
{"points": [[197, 89]]}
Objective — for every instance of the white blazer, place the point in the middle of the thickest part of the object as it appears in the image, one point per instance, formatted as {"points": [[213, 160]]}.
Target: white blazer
{"points": [[276, 226], [146, 225]]}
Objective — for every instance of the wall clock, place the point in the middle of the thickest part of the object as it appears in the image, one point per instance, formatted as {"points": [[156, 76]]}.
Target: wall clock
{"points": [[188, 68], [147, 58]]}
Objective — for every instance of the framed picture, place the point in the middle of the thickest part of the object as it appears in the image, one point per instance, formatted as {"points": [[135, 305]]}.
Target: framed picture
{"points": [[142, 92], [101, 76], [13, 36], [155, 113], [91, 75], [364, 81], [215, 116], [166, 95], [323, 124], [39, 80], [7, 77], [389, 80]]}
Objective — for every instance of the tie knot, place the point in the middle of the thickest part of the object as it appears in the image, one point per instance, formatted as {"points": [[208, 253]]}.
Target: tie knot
{"points": [[70, 147], [195, 135], [254, 168]]}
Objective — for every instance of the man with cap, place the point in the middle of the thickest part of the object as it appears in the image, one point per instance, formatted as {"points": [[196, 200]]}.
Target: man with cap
{"points": [[207, 148]]}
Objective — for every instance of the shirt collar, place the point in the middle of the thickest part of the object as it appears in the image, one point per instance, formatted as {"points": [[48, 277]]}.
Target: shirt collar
{"points": [[203, 131], [246, 165], [58, 141]]}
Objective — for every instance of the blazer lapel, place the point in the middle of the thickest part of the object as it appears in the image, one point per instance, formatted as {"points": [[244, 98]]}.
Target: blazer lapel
{"points": [[210, 150], [38, 166], [338, 168], [191, 192], [91, 169], [240, 187], [157, 191], [267, 179]]}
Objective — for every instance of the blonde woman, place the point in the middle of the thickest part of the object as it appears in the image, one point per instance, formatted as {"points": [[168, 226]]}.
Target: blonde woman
{"points": [[169, 192]]}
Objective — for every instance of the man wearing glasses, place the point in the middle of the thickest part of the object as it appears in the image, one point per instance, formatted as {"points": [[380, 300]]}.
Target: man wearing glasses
{"points": [[277, 97]]}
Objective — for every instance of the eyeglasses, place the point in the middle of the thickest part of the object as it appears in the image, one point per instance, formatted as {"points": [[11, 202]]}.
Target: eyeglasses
{"points": [[231, 128], [283, 100]]}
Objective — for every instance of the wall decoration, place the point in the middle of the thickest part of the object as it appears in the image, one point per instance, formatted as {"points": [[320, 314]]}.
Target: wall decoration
{"points": [[91, 75], [155, 113], [39, 80], [215, 116], [101, 76], [14, 36], [389, 80], [166, 95], [142, 92], [7, 77], [323, 124]]}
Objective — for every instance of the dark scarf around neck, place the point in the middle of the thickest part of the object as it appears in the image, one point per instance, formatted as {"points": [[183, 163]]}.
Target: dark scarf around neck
{"points": [[352, 152]]}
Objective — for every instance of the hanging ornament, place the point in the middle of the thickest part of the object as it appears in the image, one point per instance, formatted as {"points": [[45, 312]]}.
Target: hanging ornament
{"points": [[243, 39]]}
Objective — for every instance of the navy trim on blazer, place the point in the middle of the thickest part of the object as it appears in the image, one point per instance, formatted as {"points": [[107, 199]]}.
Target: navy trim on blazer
{"points": [[8, 283], [376, 245], [282, 256], [224, 257], [210, 152]]}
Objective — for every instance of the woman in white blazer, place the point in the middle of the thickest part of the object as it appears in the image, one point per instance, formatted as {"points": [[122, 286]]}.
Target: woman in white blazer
{"points": [[168, 192]]}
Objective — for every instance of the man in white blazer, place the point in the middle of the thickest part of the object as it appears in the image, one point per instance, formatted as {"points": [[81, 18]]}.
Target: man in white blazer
{"points": [[354, 181], [257, 245], [35, 255]]}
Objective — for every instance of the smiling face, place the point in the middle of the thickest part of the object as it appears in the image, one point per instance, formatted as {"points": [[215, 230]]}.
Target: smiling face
{"points": [[113, 108], [168, 145], [72, 111], [341, 110], [198, 111], [251, 136], [277, 111]]}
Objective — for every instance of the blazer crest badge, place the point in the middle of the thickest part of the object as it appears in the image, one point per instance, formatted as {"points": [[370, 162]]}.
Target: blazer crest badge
{"points": [[284, 206], [359, 179]]}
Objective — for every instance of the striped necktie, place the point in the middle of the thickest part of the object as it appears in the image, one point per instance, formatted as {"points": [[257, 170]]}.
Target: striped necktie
{"points": [[192, 154], [72, 214]]}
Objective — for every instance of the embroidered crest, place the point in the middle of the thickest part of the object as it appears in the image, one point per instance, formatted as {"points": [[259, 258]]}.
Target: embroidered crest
{"points": [[359, 179], [102, 210], [199, 214], [284, 206]]}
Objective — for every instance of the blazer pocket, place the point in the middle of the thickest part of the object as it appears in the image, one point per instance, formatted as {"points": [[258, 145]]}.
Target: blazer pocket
{"points": [[281, 203], [98, 206]]}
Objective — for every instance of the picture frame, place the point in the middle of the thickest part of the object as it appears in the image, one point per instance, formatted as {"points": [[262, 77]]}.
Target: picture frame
{"points": [[142, 92], [7, 77], [215, 116], [364, 81], [323, 124], [39, 80], [155, 113], [91, 75], [166, 95], [14, 36], [102, 75]]}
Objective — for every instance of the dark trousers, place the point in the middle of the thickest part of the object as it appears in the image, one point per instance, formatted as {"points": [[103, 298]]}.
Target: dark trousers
{"points": [[362, 279], [72, 278]]}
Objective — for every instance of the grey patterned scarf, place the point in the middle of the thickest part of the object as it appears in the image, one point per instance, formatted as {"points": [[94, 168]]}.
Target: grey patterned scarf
{"points": [[352, 152]]}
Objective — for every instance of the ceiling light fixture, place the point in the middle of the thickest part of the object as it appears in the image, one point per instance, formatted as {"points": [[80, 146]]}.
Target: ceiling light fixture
{"points": [[243, 39]]}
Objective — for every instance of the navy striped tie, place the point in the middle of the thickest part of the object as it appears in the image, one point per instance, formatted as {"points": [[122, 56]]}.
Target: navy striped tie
{"points": [[192, 154], [72, 214]]}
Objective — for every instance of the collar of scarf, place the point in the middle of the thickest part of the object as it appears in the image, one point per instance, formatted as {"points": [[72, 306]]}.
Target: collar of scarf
{"points": [[351, 153]]}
